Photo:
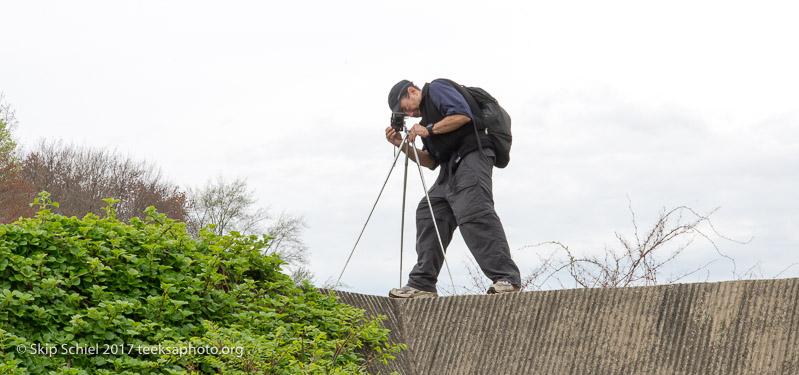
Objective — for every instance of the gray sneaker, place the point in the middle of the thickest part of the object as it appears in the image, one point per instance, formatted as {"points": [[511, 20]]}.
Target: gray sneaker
{"points": [[408, 291], [500, 287]]}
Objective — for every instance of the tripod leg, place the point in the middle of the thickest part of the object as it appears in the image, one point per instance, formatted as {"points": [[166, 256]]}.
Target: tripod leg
{"points": [[404, 193], [370, 215], [435, 225]]}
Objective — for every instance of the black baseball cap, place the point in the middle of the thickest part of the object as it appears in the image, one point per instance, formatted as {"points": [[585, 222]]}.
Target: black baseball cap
{"points": [[396, 93]]}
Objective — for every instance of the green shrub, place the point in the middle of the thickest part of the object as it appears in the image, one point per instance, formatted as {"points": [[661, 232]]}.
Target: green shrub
{"points": [[99, 296]]}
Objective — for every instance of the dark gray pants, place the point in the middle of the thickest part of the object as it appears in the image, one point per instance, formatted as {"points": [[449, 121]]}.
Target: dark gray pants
{"points": [[462, 197]]}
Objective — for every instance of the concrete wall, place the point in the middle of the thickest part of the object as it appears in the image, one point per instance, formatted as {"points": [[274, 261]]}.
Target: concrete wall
{"points": [[739, 327]]}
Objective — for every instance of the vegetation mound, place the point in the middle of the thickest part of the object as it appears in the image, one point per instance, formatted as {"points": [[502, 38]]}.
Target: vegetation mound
{"points": [[100, 296]]}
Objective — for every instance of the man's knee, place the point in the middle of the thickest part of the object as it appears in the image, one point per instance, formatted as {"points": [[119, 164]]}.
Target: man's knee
{"points": [[440, 208]]}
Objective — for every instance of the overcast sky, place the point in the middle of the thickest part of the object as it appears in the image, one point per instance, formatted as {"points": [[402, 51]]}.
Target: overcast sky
{"points": [[665, 104]]}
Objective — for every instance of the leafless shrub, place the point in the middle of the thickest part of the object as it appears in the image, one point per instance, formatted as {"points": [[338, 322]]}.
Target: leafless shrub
{"points": [[16, 193], [79, 178], [8, 121], [287, 241], [227, 206], [232, 206], [638, 261]]}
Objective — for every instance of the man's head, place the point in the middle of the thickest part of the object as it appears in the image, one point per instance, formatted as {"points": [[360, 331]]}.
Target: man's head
{"points": [[405, 97]]}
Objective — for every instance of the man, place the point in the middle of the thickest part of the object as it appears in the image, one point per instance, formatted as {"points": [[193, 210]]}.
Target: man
{"points": [[462, 195]]}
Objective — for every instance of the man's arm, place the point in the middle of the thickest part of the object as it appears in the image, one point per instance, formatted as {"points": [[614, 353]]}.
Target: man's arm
{"points": [[446, 125], [425, 159]]}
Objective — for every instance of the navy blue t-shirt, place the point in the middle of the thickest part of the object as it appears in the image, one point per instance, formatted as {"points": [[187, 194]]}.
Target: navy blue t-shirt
{"points": [[449, 102]]}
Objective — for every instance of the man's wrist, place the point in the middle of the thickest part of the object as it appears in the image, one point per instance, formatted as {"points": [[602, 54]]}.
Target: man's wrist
{"points": [[430, 129]]}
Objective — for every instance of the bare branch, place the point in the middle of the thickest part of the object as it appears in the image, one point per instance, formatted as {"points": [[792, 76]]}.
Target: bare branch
{"points": [[639, 262], [226, 207], [79, 178]]}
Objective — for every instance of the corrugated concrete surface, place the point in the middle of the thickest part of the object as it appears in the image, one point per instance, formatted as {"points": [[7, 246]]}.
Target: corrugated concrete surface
{"points": [[738, 327]]}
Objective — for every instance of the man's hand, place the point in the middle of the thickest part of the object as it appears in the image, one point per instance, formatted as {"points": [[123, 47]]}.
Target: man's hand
{"points": [[417, 130], [394, 137]]}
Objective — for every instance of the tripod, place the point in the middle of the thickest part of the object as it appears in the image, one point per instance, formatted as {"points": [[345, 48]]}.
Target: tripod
{"points": [[408, 146]]}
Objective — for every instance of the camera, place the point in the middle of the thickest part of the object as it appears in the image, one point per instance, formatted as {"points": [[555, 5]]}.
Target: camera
{"points": [[398, 121]]}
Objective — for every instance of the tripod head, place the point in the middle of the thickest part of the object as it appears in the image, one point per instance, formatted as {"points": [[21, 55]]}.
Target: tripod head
{"points": [[398, 121]]}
